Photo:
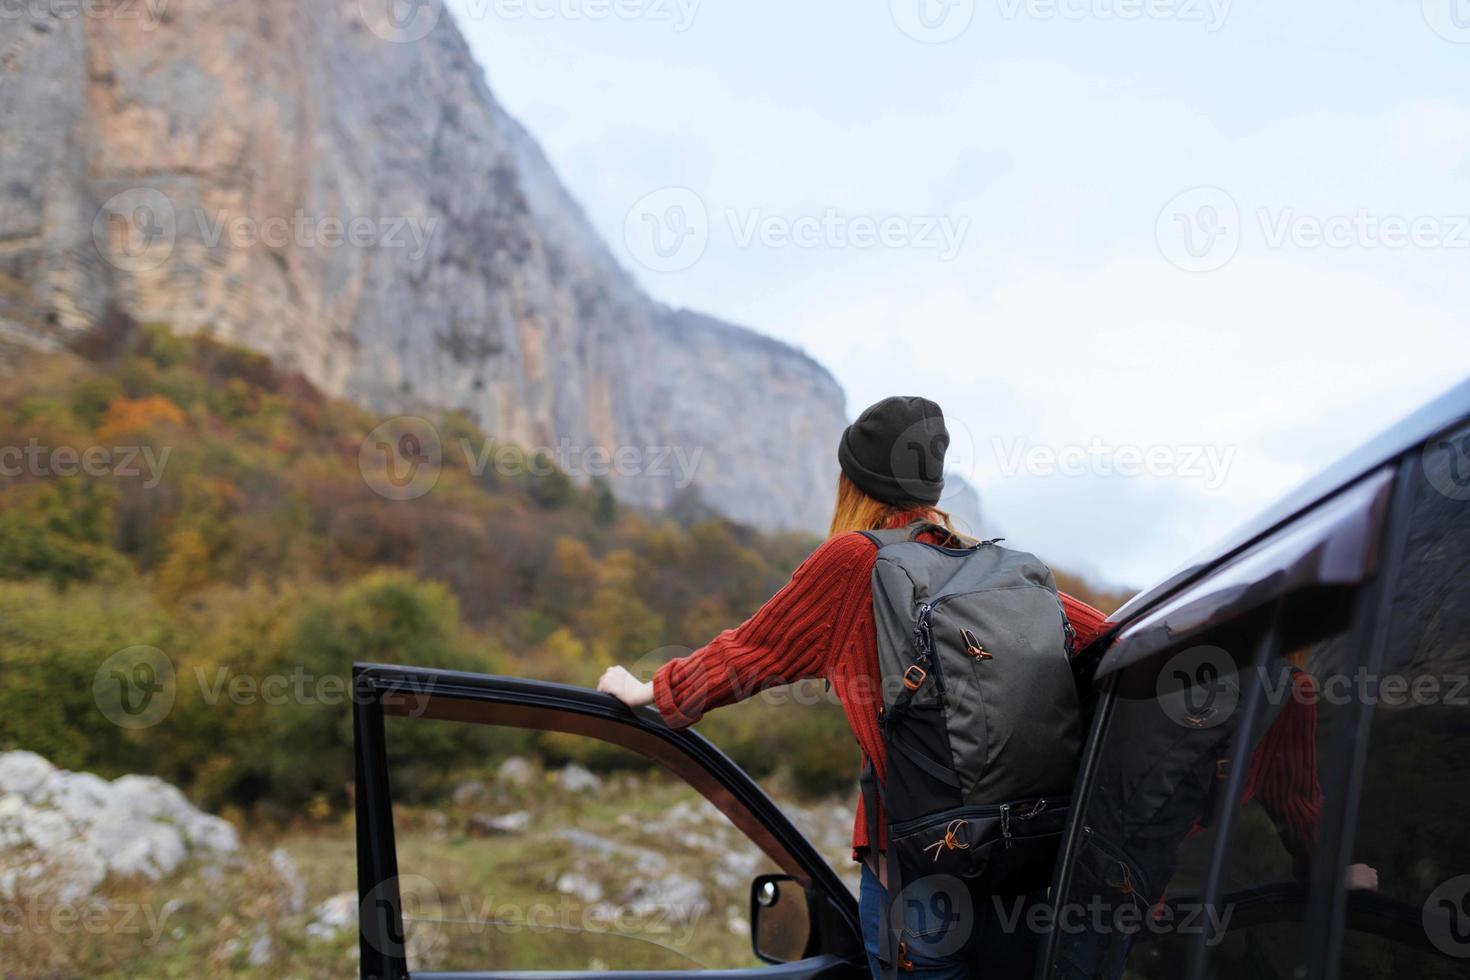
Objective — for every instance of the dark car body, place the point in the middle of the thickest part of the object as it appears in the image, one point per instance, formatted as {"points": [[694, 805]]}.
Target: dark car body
{"points": [[1271, 728]]}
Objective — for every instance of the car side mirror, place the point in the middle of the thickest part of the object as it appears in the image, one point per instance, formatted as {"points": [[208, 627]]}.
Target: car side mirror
{"points": [[780, 919]]}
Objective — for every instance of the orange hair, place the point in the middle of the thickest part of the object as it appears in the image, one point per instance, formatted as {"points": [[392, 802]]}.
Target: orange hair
{"points": [[856, 511]]}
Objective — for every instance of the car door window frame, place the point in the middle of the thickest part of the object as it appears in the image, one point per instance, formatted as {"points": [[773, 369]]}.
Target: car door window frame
{"points": [[1350, 741], [380, 690], [1339, 542]]}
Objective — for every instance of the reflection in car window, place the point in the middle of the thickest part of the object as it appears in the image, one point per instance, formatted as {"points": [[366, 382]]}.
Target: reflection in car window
{"points": [[1411, 815], [560, 852], [1172, 740]]}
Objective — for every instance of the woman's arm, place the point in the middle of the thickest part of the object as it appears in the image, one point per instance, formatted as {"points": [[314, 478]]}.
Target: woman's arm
{"points": [[790, 638]]}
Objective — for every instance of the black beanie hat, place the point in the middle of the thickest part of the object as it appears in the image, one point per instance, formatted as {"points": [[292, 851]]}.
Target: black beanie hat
{"points": [[894, 452]]}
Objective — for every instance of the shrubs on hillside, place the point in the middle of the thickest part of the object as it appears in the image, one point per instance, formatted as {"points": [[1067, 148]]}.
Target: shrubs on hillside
{"points": [[240, 540], [224, 523]]}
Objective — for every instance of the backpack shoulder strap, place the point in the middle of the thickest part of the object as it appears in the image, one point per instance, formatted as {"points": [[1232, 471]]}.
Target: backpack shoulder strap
{"points": [[912, 532], [891, 536]]}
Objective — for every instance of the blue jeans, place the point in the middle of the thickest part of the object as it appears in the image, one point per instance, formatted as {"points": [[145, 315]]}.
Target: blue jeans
{"points": [[993, 946]]}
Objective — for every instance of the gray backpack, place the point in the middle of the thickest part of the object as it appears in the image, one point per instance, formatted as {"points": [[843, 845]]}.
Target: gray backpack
{"points": [[979, 714]]}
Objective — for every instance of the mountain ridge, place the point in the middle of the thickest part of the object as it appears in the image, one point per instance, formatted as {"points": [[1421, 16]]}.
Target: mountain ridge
{"points": [[501, 300]]}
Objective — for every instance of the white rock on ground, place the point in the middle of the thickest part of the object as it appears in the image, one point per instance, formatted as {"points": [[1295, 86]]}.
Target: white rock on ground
{"points": [[503, 824], [578, 779], [516, 771], [676, 896], [580, 886], [74, 829], [292, 885], [333, 916]]}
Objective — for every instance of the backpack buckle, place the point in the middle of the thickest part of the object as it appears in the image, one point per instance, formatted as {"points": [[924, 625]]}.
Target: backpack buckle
{"points": [[913, 678]]}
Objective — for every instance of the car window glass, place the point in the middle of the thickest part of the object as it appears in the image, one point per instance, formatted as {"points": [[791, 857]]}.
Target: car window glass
{"points": [[551, 851], [1411, 813], [1175, 735]]}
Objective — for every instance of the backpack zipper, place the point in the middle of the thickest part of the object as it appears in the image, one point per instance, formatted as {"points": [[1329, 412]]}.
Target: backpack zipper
{"points": [[1035, 807], [924, 640], [924, 631]]}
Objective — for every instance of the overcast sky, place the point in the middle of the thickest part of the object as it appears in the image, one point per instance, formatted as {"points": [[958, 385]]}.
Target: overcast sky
{"points": [[1222, 243]]}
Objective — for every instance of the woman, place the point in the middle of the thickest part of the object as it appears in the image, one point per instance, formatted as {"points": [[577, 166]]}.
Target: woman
{"points": [[821, 625]]}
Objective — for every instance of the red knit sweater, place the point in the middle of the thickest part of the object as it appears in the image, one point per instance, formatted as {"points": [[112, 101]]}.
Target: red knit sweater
{"points": [[819, 625]]}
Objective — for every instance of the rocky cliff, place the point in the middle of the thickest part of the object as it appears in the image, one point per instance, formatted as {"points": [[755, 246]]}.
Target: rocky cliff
{"points": [[289, 175]]}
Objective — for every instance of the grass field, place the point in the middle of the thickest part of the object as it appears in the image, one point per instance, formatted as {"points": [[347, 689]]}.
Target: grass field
{"points": [[637, 872]]}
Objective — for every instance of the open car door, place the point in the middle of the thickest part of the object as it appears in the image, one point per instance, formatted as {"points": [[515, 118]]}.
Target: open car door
{"points": [[803, 921]]}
